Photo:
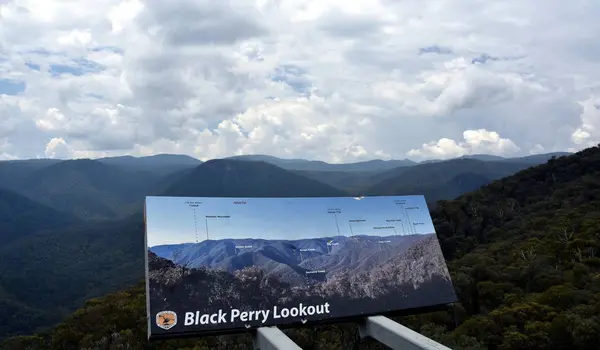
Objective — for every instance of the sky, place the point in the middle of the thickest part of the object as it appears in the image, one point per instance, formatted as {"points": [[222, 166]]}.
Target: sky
{"points": [[337, 81], [170, 220]]}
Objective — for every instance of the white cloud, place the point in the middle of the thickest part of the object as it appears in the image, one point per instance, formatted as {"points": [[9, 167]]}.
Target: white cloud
{"points": [[474, 142], [588, 134], [75, 38], [58, 148], [332, 80], [537, 149]]}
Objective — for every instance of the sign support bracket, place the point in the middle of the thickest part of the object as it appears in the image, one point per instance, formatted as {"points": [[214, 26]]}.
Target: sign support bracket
{"points": [[378, 328], [395, 335], [272, 338]]}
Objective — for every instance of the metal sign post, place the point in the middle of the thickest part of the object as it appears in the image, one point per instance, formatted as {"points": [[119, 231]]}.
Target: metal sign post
{"points": [[396, 336], [272, 338], [379, 328]]}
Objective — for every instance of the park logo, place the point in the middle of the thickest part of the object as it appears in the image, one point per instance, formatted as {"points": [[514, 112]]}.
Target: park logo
{"points": [[166, 319]]}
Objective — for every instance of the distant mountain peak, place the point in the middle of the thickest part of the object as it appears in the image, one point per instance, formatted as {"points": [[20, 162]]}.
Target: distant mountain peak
{"points": [[236, 178], [236, 164], [160, 157], [82, 164]]}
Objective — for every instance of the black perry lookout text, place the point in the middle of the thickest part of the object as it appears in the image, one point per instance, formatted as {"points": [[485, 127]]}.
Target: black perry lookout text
{"points": [[235, 315]]}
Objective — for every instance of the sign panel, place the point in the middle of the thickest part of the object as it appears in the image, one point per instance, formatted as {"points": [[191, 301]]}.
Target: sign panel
{"points": [[219, 265]]}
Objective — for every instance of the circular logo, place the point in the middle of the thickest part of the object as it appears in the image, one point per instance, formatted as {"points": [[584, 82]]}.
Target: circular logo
{"points": [[166, 319]]}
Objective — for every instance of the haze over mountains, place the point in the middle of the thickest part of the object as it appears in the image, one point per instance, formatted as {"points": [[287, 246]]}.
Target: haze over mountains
{"points": [[78, 223], [113, 188]]}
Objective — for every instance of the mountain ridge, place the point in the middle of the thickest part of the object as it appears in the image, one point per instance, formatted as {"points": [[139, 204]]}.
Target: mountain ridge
{"points": [[166, 158], [522, 250], [300, 255], [234, 178], [16, 221], [317, 165], [88, 187]]}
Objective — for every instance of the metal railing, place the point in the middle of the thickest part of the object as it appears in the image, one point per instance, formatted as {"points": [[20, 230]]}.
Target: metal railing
{"points": [[384, 330]]}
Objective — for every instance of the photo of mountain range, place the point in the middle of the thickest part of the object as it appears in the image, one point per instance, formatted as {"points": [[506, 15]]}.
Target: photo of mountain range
{"points": [[290, 260], [211, 256]]}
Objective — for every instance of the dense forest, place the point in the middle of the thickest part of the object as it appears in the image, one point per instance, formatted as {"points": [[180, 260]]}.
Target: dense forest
{"points": [[522, 253]]}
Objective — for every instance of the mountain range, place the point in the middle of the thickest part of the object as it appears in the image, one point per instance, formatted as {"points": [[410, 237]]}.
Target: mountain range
{"points": [[72, 229], [290, 260], [382, 165], [114, 188]]}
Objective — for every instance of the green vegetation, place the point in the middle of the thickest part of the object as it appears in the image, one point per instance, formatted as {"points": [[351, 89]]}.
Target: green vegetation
{"points": [[89, 188], [20, 217], [522, 251], [45, 276], [524, 257], [443, 180]]}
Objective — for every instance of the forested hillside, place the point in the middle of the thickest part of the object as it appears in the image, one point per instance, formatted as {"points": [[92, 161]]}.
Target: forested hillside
{"points": [[522, 251], [236, 178], [20, 217]]}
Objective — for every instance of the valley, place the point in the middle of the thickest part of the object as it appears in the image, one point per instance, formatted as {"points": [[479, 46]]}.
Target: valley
{"points": [[520, 239]]}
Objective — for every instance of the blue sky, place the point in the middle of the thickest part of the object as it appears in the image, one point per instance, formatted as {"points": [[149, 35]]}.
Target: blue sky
{"points": [[170, 220], [11, 87]]}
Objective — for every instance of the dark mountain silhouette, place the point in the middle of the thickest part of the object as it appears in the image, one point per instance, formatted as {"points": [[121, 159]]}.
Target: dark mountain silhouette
{"points": [[436, 177], [483, 157], [14, 174], [165, 181], [453, 188], [89, 188], [378, 165], [532, 159], [352, 182], [21, 217], [537, 158], [315, 165], [456, 186], [66, 183], [445, 180], [234, 178], [164, 164]]}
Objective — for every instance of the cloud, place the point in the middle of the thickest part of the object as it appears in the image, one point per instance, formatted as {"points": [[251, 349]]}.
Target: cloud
{"points": [[537, 149], [5, 148], [588, 133], [474, 142], [332, 80], [58, 148]]}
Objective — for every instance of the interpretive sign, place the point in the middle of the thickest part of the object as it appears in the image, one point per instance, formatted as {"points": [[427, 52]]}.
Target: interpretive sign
{"points": [[218, 265]]}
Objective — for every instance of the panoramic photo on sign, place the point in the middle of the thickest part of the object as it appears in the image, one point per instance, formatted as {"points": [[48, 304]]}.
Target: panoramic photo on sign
{"points": [[226, 264]]}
